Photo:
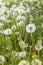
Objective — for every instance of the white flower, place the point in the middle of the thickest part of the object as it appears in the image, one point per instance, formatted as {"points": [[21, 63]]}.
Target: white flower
{"points": [[20, 11], [23, 45], [2, 10], [13, 27], [8, 21], [1, 24], [3, 18], [22, 54], [20, 23], [30, 28], [7, 32], [38, 46], [15, 53], [19, 17], [28, 10], [38, 62], [39, 41], [2, 59], [13, 7], [24, 62]]}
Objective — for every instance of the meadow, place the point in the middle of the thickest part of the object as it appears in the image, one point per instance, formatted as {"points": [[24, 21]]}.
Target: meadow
{"points": [[21, 32]]}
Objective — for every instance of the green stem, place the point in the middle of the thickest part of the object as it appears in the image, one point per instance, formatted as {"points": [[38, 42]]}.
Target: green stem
{"points": [[38, 53], [34, 52]]}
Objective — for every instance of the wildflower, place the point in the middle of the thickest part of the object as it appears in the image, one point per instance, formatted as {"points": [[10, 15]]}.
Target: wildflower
{"points": [[30, 28], [8, 21], [39, 41], [38, 46], [20, 23], [24, 62], [7, 32], [15, 53], [1, 24], [2, 59], [38, 62], [13, 7], [2, 10], [19, 54], [19, 17], [13, 27], [23, 45], [28, 10], [20, 10], [22, 54], [3, 18]]}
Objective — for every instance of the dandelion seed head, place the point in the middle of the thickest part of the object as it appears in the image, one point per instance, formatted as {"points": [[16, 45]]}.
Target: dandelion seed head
{"points": [[22, 54], [38, 47], [24, 62], [30, 28], [38, 62], [2, 59], [8, 32]]}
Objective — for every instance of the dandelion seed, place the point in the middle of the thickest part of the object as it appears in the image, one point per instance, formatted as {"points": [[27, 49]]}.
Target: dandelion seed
{"points": [[7, 32], [2, 59], [15, 53], [19, 17], [13, 27], [1, 24], [28, 10], [39, 41], [30, 28], [3, 18], [23, 45], [38, 47], [22, 54], [24, 62], [20, 23], [38, 62]]}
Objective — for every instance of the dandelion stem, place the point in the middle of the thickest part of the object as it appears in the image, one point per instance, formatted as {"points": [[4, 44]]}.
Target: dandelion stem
{"points": [[32, 41], [38, 53], [33, 49]]}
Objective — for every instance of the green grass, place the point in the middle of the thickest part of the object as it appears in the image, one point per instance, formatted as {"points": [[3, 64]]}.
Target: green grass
{"points": [[10, 43]]}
